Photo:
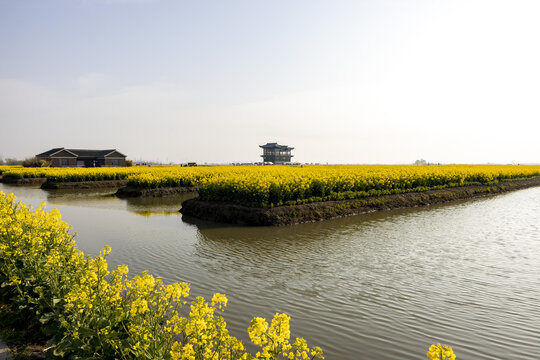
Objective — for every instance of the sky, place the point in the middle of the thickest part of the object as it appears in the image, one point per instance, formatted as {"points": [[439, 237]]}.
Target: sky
{"points": [[343, 82]]}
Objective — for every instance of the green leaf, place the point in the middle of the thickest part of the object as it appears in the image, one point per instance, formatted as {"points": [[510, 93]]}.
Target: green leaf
{"points": [[46, 318]]}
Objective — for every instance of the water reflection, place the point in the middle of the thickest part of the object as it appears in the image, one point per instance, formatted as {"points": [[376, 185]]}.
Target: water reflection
{"points": [[106, 198], [168, 206]]}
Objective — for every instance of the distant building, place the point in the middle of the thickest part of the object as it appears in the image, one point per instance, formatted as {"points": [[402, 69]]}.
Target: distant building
{"points": [[60, 157], [276, 154]]}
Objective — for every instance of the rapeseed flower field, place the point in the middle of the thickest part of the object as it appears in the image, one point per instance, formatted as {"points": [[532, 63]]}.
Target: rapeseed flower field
{"points": [[289, 184], [263, 186]]}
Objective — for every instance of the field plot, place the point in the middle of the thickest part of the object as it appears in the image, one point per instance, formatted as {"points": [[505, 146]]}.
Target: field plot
{"points": [[69, 174], [268, 186], [289, 185]]}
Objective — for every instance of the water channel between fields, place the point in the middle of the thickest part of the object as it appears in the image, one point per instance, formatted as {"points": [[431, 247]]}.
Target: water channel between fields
{"points": [[378, 286]]}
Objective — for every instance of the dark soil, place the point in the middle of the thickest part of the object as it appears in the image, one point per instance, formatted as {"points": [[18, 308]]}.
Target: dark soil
{"points": [[22, 335], [102, 184], [294, 214], [24, 181], [160, 192]]}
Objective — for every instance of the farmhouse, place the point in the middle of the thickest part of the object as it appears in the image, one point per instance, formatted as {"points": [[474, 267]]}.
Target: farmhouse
{"points": [[60, 157], [276, 154]]}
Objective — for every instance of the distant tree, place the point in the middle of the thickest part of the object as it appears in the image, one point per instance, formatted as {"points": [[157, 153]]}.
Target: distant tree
{"points": [[11, 161], [129, 162], [1, 160], [420, 162], [35, 162]]}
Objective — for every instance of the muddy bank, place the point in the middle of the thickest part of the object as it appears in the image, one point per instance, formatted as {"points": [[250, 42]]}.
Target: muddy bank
{"points": [[102, 184], [23, 181], [294, 214], [126, 192]]}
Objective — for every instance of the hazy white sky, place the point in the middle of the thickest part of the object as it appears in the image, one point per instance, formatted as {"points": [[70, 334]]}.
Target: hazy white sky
{"points": [[209, 81]]}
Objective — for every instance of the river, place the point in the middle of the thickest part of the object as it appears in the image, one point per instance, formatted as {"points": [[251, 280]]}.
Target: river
{"points": [[378, 286]]}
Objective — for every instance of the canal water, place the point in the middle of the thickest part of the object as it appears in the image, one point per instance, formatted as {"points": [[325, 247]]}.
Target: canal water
{"points": [[378, 286]]}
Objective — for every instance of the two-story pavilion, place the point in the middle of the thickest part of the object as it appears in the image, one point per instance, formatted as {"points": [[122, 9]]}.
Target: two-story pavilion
{"points": [[276, 154]]}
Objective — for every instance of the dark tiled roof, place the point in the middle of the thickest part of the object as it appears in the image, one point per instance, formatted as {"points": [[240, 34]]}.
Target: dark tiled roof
{"points": [[275, 146], [83, 153], [50, 152]]}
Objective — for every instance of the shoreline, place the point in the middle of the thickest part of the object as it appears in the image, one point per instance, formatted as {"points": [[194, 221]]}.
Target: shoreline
{"points": [[23, 181], [318, 211], [99, 184], [130, 192]]}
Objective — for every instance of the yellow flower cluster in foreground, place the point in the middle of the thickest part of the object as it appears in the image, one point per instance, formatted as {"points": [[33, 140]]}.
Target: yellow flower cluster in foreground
{"points": [[278, 185], [440, 352]]}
